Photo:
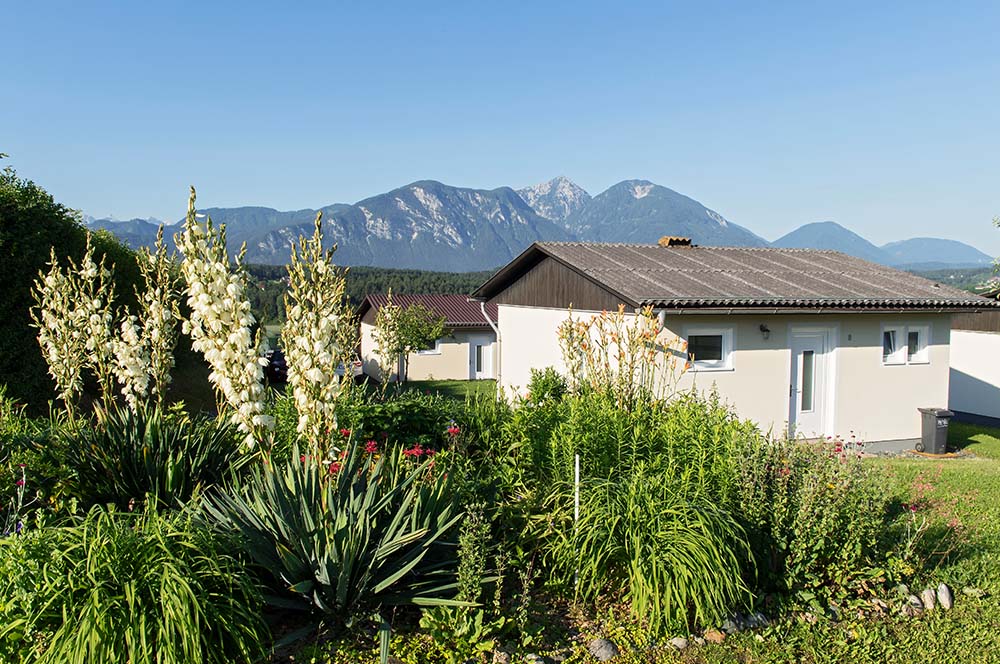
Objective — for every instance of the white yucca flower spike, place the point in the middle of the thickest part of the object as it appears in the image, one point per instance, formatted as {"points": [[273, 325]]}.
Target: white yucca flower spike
{"points": [[318, 337], [131, 363], [219, 324], [75, 324]]}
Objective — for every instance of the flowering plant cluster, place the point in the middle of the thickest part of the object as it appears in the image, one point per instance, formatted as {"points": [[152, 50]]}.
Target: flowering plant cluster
{"points": [[388, 335], [131, 365], [158, 314], [316, 335], [75, 323], [220, 323], [625, 354]]}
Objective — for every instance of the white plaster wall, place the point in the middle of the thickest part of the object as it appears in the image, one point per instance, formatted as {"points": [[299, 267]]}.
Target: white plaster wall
{"points": [[451, 363], [873, 401], [975, 372]]}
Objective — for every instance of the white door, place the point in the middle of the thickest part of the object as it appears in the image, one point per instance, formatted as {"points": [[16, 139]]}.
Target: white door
{"points": [[480, 357], [808, 387]]}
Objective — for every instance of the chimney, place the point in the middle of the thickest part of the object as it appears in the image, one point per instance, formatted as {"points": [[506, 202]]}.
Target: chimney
{"points": [[672, 241]]}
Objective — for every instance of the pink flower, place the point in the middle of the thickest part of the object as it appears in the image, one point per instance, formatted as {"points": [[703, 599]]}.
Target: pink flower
{"points": [[19, 483], [371, 447]]}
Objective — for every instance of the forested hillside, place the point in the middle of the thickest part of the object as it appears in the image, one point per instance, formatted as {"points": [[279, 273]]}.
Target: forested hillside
{"points": [[267, 296]]}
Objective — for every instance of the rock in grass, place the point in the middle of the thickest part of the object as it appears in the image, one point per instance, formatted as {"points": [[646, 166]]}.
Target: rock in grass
{"points": [[903, 590], [974, 592], [928, 598], [714, 636], [732, 625], [500, 657], [603, 650], [679, 642], [913, 606], [944, 596], [698, 641], [532, 658]]}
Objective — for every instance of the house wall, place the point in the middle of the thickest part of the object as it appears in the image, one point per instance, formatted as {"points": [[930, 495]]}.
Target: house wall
{"points": [[452, 362], [975, 372], [873, 401]]}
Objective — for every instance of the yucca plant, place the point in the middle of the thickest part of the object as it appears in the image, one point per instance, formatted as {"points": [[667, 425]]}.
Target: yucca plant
{"points": [[349, 537], [125, 456], [142, 588]]}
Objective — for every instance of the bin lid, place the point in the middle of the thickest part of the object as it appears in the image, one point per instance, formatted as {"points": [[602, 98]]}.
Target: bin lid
{"points": [[938, 412]]}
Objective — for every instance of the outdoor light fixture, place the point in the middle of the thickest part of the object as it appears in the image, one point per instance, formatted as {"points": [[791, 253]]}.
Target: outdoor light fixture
{"points": [[765, 330]]}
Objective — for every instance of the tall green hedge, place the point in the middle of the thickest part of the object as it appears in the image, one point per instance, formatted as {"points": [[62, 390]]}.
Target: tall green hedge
{"points": [[31, 222]]}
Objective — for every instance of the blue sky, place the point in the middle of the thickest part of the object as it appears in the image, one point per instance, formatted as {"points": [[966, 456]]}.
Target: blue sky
{"points": [[882, 118]]}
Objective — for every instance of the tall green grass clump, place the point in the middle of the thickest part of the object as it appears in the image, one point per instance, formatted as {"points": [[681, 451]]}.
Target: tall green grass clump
{"points": [[127, 587]]}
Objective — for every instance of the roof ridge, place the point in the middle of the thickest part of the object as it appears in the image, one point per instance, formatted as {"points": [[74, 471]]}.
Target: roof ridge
{"points": [[583, 243]]}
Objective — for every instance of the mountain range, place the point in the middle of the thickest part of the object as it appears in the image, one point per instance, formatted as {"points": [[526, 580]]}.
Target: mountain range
{"points": [[433, 226]]}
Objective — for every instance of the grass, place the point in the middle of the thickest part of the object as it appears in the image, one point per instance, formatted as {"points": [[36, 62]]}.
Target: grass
{"points": [[458, 389]]}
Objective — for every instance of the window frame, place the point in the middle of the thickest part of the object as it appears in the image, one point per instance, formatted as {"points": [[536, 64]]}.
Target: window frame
{"points": [[436, 350], [903, 330], [728, 335]]}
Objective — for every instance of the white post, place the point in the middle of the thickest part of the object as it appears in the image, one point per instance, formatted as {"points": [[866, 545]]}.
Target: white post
{"points": [[576, 513]]}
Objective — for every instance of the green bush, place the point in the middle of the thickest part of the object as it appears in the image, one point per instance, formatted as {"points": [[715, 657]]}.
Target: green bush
{"points": [[815, 513], [350, 536], [546, 385], [678, 561], [123, 457], [121, 587], [408, 418]]}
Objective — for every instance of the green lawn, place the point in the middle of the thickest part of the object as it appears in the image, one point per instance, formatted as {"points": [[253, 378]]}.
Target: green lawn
{"points": [[458, 389]]}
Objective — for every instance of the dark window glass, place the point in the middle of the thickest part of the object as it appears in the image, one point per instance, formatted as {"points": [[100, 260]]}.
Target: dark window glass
{"points": [[705, 347]]}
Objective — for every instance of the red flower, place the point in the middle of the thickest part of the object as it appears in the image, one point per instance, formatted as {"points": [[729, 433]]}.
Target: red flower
{"points": [[346, 433], [335, 467], [429, 452], [19, 483], [342, 454], [302, 458], [371, 447], [453, 431], [414, 451]]}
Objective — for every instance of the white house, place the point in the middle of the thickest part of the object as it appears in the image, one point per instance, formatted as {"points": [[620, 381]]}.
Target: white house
{"points": [[975, 365], [466, 351], [817, 342]]}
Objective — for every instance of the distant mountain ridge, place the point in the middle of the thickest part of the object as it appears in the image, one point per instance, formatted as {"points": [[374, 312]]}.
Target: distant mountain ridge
{"points": [[429, 225]]}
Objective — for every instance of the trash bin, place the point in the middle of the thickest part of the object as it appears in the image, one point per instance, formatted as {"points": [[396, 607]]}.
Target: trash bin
{"points": [[934, 430]]}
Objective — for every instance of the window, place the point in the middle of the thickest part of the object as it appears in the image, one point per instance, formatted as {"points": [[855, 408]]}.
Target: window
{"points": [[808, 381], [892, 352], [710, 349], [916, 344], [905, 344], [436, 350]]}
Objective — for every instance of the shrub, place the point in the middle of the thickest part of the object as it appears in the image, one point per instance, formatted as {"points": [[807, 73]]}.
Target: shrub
{"points": [[407, 417], [120, 587], [814, 512], [350, 536], [680, 561], [546, 385], [126, 456]]}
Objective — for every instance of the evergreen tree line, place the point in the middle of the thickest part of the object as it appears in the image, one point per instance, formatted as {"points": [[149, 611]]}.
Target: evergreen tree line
{"points": [[270, 282]]}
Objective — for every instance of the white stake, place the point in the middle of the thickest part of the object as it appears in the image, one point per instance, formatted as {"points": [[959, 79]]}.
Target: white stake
{"points": [[576, 514]]}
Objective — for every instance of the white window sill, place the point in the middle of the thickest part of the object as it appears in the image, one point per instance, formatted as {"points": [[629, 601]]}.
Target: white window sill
{"points": [[696, 369]]}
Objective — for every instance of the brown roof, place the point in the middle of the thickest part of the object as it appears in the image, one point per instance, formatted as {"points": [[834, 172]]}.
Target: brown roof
{"points": [[737, 277], [456, 309]]}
